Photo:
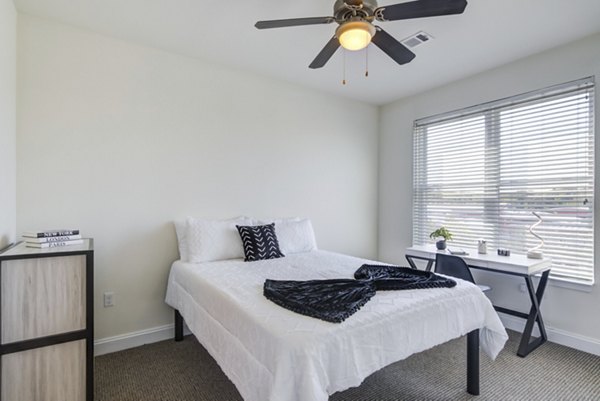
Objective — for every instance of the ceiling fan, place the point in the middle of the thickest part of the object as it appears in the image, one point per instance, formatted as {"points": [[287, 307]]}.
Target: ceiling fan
{"points": [[356, 31]]}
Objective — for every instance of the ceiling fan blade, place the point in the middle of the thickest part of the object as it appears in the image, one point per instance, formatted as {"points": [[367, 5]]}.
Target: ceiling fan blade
{"points": [[282, 23], [420, 9], [390, 46], [325, 54]]}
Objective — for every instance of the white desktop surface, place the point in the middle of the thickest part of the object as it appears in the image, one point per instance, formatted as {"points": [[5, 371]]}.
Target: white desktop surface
{"points": [[514, 263]]}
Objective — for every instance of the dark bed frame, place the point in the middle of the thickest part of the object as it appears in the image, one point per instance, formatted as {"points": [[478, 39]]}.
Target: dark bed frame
{"points": [[472, 354]]}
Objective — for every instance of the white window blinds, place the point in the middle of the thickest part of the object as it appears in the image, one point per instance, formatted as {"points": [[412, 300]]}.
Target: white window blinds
{"points": [[482, 171]]}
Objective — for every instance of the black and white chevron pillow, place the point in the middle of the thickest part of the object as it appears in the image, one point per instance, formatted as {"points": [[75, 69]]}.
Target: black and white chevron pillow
{"points": [[260, 242]]}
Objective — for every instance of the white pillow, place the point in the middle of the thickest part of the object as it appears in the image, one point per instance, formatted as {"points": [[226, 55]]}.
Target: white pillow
{"points": [[295, 236], [262, 222], [182, 240], [211, 240]]}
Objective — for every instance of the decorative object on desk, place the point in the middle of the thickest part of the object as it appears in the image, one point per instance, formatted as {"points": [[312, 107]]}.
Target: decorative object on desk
{"points": [[536, 251], [482, 246], [503, 252], [52, 238], [457, 251], [441, 235]]}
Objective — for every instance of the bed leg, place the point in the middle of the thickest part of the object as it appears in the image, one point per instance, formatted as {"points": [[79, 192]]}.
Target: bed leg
{"points": [[178, 326], [473, 362]]}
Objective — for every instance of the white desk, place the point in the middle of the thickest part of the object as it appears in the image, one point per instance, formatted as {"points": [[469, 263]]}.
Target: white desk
{"points": [[514, 265], [519, 264]]}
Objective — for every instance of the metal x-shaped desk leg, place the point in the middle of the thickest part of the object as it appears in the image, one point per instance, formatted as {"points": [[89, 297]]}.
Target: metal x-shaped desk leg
{"points": [[525, 347], [412, 264]]}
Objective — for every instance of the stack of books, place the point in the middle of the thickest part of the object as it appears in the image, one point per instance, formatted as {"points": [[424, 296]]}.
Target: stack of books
{"points": [[52, 238]]}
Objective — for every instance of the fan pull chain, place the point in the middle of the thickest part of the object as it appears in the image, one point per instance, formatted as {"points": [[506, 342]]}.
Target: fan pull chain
{"points": [[367, 61], [344, 68]]}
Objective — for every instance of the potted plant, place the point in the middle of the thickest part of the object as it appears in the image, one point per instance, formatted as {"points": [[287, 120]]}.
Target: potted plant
{"points": [[441, 235]]}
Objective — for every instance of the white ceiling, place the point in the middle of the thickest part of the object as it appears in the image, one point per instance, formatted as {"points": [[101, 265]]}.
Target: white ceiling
{"points": [[489, 33]]}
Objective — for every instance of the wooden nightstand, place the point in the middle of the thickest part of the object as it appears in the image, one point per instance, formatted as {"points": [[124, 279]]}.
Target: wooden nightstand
{"points": [[47, 323]]}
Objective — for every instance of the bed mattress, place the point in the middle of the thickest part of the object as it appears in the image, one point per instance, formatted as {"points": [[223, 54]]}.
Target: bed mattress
{"points": [[271, 353]]}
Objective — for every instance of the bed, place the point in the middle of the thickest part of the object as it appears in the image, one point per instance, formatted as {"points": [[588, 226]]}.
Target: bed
{"points": [[271, 353]]}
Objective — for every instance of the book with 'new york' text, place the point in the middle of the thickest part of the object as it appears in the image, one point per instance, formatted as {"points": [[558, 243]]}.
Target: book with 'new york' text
{"points": [[50, 233]]}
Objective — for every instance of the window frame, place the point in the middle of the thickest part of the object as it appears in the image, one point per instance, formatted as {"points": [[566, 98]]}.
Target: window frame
{"points": [[491, 113]]}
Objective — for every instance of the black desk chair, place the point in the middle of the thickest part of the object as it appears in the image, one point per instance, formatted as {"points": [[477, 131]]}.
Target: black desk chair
{"points": [[455, 266]]}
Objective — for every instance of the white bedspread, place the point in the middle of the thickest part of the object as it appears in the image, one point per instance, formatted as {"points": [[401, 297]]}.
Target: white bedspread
{"points": [[271, 353]]}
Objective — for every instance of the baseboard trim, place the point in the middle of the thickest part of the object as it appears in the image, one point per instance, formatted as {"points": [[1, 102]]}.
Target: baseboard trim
{"points": [[135, 339], [557, 336]]}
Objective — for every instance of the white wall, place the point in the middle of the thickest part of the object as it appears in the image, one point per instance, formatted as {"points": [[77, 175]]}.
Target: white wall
{"points": [[8, 84], [119, 140], [565, 310]]}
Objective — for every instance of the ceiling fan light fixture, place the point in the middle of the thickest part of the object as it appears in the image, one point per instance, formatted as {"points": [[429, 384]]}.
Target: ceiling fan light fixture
{"points": [[355, 35], [355, 30]]}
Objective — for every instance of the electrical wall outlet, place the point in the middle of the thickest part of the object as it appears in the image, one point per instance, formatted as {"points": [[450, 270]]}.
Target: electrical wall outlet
{"points": [[109, 299]]}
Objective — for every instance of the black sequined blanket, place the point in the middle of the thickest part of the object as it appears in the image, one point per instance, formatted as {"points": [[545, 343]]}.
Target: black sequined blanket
{"points": [[337, 299]]}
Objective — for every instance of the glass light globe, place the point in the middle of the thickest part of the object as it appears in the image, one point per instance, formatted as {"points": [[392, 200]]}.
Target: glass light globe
{"points": [[355, 35]]}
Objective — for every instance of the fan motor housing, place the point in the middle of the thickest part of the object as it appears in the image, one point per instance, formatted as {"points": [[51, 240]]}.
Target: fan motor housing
{"points": [[343, 10]]}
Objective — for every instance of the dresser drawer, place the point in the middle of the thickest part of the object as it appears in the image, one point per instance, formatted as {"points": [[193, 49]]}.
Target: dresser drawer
{"points": [[42, 297], [53, 373]]}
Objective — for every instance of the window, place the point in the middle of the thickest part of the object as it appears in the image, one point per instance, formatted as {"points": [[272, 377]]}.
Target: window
{"points": [[482, 171]]}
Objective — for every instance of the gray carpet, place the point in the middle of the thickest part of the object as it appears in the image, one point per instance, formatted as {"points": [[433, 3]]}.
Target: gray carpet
{"points": [[184, 371]]}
